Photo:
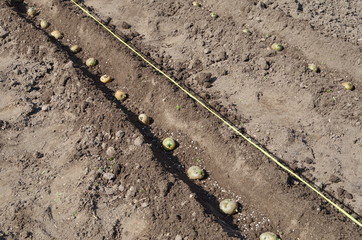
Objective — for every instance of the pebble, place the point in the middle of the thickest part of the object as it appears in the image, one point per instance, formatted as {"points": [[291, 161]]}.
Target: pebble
{"points": [[111, 152], [178, 237], [263, 64], [68, 65], [121, 188], [138, 141], [220, 56], [207, 51], [119, 135], [45, 108], [108, 176], [145, 204], [110, 190], [3, 33]]}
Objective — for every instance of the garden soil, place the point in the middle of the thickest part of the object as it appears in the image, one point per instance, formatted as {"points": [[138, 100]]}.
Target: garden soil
{"points": [[76, 163]]}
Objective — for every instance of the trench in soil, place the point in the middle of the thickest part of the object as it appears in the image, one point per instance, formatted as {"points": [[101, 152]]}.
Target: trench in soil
{"points": [[235, 169]]}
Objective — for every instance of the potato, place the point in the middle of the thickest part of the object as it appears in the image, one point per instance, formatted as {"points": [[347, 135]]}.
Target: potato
{"points": [[120, 95], [195, 172], [228, 206], [169, 144], [56, 34]]}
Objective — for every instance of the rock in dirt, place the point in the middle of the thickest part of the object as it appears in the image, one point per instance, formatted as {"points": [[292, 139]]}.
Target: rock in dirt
{"points": [[109, 176], [138, 141], [111, 152], [145, 204], [178, 237], [263, 64], [119, 135], [220, 56], [3, 33], [207, 50]]}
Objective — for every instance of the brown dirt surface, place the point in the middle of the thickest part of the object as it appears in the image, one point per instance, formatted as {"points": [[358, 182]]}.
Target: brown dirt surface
{"points": [[76, 163]]}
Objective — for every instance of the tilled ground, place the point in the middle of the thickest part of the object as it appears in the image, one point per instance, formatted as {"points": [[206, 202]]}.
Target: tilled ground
{"points": [[76, 163], [305, 118]]}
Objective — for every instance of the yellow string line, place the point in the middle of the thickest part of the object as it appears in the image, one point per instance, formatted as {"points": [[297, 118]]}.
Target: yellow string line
{"points": [[221, 118]]}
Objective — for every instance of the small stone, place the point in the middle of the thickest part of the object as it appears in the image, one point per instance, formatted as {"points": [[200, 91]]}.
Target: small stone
{"points": [[131, 192], [45, 108], [111, 152], [334, 179], [68, 65], [138, 141], [3, 33], [145, 204], [125, 25], [108, 176], [121, 188], [263, 64], [220, 56], [119, 135], [207, 51], [178, 237], [110, 190]]}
